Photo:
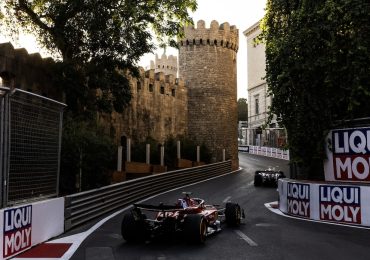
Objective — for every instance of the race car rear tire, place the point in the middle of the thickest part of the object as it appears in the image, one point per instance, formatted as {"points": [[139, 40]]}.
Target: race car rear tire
{"points": [[132, 230], [233, 214], [257, 180], [195, 228]]}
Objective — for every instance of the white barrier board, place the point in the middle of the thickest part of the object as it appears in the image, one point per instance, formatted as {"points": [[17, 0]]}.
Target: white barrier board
{"points": [[269, 152], [27, 225], [348, 204]]}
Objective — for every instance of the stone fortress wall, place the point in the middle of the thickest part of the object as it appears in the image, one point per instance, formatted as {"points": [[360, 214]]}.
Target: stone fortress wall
{"points": [[158, 108], [29, 72], [207, 62], [204, 106]]}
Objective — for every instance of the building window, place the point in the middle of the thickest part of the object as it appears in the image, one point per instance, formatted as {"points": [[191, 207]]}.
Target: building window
{"points": [[150, 87], [162, 89], [173, 92], [138, 86], [257, 105]]}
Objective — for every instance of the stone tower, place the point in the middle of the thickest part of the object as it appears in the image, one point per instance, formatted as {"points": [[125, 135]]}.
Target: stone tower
{"points": [[167, 65], [207, 63]]}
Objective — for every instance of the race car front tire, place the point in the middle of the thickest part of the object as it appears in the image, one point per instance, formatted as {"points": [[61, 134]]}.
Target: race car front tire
{"points": [[233, 214], [195, 228], [132, 230]]}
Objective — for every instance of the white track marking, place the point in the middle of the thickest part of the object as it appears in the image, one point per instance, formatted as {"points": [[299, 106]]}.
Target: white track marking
{"points": [[227, 199], [277, 211], [265, 225], [245, 238]]}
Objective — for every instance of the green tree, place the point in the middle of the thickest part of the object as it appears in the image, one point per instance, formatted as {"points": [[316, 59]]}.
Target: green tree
{"points": [[242, 109], [99, 42], [317, 70], [88, 155]]}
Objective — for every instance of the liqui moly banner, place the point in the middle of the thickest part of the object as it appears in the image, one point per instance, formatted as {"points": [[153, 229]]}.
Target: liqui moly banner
{"points": [[340, 203], [298, 199], [348, 153], [345, 204], [27, 225], [17, 230]]}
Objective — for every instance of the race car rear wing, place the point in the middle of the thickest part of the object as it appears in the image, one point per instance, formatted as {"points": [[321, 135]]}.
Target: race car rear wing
{"points": [[160, 207]]}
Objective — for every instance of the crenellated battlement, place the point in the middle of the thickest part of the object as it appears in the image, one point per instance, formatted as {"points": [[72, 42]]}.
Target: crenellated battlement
{"points": [[166, 64], [27, 71], [158, 107], [222, 35], [160, 77]]}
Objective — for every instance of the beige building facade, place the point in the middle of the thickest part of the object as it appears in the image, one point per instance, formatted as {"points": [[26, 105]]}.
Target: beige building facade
{"points": [[258, 99]]}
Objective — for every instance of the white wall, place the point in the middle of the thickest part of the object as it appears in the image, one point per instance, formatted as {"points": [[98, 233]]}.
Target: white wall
{"points": [[256, 60], [256, 84], [24, 226]]}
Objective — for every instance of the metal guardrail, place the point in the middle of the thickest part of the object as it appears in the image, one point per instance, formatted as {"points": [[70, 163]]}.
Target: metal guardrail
{"points": [[86, 206]]}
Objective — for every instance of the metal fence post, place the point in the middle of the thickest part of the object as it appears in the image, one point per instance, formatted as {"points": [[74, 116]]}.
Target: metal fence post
{"points": [[4, 130], [3, 145]]}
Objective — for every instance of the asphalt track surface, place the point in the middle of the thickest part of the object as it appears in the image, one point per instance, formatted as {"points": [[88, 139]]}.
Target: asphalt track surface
{"points": [[263, 235]]}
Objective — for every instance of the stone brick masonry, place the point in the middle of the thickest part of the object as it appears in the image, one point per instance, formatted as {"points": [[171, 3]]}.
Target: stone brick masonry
{"points": [[207, 62]]}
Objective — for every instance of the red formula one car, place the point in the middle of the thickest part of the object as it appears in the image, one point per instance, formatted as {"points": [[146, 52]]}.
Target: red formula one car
{"points": [[190, 217]]}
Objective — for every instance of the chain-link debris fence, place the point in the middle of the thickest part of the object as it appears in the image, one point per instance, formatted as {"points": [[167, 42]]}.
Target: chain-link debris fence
{"points": [[31, 127]]}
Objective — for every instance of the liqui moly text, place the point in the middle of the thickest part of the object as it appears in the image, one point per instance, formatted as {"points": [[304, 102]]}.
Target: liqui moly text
{"points": [[298, 198], [351, 154], [340, 203], [17, 230]]}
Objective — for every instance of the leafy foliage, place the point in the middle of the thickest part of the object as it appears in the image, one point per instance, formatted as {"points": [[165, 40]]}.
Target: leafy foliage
{"points": [[242, 109], [317, 64], [98, 41], [138, 151], [86, 150]]}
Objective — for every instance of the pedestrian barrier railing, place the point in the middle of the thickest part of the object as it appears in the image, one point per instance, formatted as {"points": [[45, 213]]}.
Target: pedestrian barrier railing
{"points": [[86, 206]]}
